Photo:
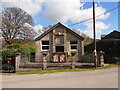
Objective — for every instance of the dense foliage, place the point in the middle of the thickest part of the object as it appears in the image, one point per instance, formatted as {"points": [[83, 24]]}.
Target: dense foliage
{"points": [[9, 51], [25, 49], [110, 47]]}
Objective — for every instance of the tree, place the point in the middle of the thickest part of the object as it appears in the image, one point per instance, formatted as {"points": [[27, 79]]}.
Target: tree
{"points": [[47, 27], [16, 24], [40, 31]]}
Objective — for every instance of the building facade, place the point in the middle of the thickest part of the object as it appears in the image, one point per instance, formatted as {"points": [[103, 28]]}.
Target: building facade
{"points": [[59, 44]]}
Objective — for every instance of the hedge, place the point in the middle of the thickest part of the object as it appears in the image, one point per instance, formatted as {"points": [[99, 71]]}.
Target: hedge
{"points": [[110, 47], [9, 51]]}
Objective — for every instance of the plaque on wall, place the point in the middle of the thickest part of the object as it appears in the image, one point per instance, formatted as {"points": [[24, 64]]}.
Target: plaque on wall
{"points": [[59, 39]]}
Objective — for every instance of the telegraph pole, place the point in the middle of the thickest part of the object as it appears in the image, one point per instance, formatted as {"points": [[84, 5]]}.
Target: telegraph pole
{"points": [[94, 34]]}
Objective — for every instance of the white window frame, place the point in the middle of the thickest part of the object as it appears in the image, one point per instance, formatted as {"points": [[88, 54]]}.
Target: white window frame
{"points": [[73, 45], [45, 45]]}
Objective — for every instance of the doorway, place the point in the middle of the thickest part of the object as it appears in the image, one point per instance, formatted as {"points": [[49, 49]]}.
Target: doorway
{"points": [[59, 56], [59, 48]]}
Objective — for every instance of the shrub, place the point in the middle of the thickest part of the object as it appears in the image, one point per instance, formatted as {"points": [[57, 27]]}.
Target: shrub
{"points": [[6, 67], [13, 46], [9, 52], [26, 49], [118, 63], [110, 47], [115, 59]]}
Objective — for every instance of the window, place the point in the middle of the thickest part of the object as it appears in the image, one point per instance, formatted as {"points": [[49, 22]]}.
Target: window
{"points": [[45, 45], [73, 45]]}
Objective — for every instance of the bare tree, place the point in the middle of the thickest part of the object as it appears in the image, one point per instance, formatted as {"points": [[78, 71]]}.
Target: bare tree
{"points": [[47, 27], [16, 25]]}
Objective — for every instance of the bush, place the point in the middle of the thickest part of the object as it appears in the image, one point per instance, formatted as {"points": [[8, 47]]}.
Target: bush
{"points": [[6, 67], [26, 49], [118, 63], [110, 47], [13, 46], [9, 52], [115, 59]]}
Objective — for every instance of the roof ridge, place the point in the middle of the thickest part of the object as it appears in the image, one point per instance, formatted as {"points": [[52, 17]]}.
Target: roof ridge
{"points": [[50, 29]]}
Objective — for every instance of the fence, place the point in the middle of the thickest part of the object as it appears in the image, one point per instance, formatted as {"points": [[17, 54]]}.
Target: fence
{"points": [[27, 59], [89, 58]]}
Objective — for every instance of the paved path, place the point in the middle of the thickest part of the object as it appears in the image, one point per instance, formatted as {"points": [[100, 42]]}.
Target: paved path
{"points": [[105, 78]]}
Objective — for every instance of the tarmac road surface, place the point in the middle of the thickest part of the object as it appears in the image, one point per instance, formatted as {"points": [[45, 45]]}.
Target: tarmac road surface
{"points": [[104, 78]]}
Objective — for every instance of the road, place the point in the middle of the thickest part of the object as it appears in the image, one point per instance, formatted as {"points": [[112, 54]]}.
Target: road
{"points": [[104, 78]]}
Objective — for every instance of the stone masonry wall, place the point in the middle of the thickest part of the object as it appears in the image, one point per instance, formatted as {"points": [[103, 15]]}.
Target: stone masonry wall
{"points": [[51, 37]]}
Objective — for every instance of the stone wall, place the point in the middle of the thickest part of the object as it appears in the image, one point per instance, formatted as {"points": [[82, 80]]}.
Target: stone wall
{"points": [[51, 36], [45, 65]]}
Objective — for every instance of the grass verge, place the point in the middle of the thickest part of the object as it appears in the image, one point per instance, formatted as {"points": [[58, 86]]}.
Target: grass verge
{"points": [[61, 70]]}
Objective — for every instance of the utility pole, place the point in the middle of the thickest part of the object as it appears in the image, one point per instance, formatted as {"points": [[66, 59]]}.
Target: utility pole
{"points": [[94, 34]]}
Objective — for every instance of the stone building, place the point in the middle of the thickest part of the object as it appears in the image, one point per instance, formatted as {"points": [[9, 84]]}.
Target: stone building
{"points": [[59, 44]]}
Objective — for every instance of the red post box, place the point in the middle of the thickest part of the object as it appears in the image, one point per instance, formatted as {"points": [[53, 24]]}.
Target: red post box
{"points": [[9, 60]]}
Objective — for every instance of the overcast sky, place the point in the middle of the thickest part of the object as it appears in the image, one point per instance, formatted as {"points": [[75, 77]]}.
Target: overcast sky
{"points": [[49, 12]]}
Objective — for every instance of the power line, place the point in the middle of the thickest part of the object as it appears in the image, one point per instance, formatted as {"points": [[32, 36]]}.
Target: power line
{"points": [[96, 16]]}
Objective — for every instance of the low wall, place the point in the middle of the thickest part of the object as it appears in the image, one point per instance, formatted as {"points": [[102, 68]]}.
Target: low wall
{"points": [[89, 58], [86, 60], [40, 66]]}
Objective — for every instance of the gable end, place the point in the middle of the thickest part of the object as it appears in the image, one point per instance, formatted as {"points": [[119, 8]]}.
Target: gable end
{"points": [[61, 25]]}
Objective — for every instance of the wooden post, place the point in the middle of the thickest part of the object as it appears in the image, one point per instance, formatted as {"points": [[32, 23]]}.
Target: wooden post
{"points": [[94, 34]]}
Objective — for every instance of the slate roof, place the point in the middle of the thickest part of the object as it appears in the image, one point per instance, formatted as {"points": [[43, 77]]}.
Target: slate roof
{"points": [[55, 26], [113, 35]]}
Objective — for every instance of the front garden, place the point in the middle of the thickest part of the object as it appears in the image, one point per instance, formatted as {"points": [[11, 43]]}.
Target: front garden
{"points": [[9, 51]]}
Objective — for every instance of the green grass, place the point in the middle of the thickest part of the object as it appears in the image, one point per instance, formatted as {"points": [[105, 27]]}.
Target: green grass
{"points": [[61, 70], [118, 63]]}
